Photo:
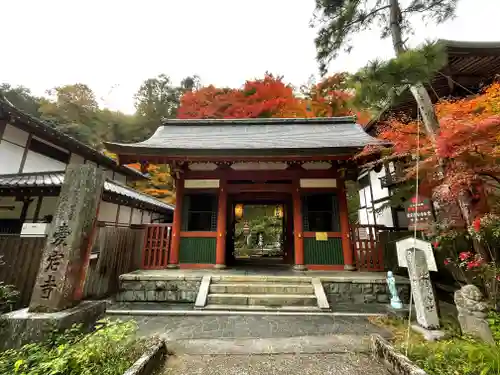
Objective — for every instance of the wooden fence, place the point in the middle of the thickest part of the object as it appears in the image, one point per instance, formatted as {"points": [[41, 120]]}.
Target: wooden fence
{"points": [[157, 239], [21, 258], [115, 250]]}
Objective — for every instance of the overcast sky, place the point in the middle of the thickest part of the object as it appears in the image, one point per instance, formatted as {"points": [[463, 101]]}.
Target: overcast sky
{"points": [[113, 45]]}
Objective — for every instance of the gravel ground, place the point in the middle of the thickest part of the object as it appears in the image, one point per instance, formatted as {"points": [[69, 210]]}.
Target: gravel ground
{"points": [[241, 326], [282, 364]]}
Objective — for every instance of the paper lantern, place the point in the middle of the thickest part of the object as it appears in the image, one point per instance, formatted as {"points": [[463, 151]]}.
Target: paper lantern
{"points": [[278, 211], [238, 211]]}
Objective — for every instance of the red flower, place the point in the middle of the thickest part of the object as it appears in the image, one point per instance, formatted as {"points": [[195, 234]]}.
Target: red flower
{"points": [[447, 261], [435, 244], [464, 255], [473, 264], [476, 224]]}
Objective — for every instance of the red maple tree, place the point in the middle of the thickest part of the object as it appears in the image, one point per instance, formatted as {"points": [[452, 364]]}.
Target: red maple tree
{"points": [[469, 142], [270, 97]]}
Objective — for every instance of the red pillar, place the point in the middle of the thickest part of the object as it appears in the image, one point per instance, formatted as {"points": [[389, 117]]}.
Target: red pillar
{"points": [[298, 239], [220, 254], [345, 228], [176, 226]]}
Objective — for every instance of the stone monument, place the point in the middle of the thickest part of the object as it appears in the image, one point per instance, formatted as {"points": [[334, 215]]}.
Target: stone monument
{"points": [[472, 311], [59, 284], [418, 256]]}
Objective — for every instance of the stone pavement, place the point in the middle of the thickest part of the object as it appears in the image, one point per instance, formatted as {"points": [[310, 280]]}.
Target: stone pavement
{"points": [[264, 344]]}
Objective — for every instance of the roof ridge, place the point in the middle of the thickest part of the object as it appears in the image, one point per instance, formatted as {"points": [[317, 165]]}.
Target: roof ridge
{"points": [[261, 121]]}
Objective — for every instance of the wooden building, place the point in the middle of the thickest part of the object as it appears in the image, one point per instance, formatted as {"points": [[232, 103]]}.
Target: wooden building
{"points": [[300, 164]]}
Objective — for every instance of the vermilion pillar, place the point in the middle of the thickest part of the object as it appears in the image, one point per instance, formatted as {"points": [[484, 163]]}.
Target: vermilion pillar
{"points": [[345, 227], [220, 252], [176, 226], [298, 238]]}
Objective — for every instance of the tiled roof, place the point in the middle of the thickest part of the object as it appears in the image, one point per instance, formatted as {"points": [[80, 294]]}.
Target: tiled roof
{"points": [[253, 134], [43, 130], [56, 179]]}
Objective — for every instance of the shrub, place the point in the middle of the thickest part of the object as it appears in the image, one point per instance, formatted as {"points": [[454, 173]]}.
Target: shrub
{"points": [[109, 350], [8, 294]]}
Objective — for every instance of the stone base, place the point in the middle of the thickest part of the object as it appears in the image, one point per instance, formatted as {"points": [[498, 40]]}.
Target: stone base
{"points": [[220, 266], [299, 267], [349, 267], [172, 266], [21, 327], [429, 335], [402, 313]]}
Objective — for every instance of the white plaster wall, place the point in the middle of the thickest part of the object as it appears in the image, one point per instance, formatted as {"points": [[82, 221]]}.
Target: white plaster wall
{"points": [[76, 159], [378, 191], [124, 215], [48, 207], [107, 212], [146, 218], [136, 216], [10, 214], [363, 216], [384, 217], [15, 135], [11, 156], [30, 215], [120, 178], [40, 163]]}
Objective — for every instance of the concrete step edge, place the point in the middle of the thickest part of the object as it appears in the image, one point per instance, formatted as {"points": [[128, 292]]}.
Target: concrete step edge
{"points": [[269, 296], [260, 308]]}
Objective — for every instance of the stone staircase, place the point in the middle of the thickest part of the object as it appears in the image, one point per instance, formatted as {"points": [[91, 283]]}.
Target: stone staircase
{"points": [[261, 293]]}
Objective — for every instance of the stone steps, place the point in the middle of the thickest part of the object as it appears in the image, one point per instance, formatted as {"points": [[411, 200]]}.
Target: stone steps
{"points": [[261, 293], [261, 288], [276, 300], [257, 308]]}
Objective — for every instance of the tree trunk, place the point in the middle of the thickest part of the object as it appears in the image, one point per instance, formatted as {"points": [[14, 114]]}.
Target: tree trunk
{"points": [[429, 118]]}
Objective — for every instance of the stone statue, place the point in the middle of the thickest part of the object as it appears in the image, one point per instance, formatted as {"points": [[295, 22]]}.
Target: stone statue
{"points": [[391, 283], [472, 311]]}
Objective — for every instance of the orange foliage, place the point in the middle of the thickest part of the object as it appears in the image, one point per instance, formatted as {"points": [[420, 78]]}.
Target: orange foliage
{"points": [[268, 97], [468, 140]]}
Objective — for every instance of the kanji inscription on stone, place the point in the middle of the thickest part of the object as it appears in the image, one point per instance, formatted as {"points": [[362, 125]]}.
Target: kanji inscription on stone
{"points": [[66, 250], [421, 287]]}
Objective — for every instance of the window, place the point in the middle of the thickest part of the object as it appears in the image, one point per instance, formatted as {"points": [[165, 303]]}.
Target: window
{"points": [[321, 212], [49, 151], [200, 213]]}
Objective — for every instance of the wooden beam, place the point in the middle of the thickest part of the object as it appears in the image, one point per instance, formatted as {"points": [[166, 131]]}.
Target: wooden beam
{"points": [[245, 188], [176, 227], [231, 174], [220, 254]]}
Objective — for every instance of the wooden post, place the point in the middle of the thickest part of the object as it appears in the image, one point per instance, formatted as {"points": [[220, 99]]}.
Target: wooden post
{"points": [[298, 239], [345, 227], [176, 226], [220, 255]]}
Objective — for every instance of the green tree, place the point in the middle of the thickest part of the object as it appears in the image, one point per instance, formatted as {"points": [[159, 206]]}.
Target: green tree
{"points": [[73, 110], [21, 97], [340, 19], [158, 98]]}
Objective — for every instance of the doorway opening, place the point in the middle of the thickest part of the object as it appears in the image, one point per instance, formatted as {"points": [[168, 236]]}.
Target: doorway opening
{"points": [[258, 234]]}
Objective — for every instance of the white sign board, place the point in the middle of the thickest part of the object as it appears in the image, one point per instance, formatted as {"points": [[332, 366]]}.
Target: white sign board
{"points": [[201, 184], [406, 244], [34, 229]]}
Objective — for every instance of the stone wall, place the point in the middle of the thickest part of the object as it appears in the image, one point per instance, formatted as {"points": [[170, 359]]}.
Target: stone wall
{"points": [[170, 290], [375, 291]]}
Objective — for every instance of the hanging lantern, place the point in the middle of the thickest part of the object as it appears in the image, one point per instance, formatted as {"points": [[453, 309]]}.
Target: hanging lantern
{"points": [[238, 211], [278, 211]]}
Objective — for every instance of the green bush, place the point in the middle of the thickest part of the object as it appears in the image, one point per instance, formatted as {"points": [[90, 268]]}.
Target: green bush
{"points": [[8, 297], [109, 350]]}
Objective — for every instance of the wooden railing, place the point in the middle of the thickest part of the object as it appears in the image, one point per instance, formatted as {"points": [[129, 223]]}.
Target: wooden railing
{"points": [[157, 240], [367, 248]]}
